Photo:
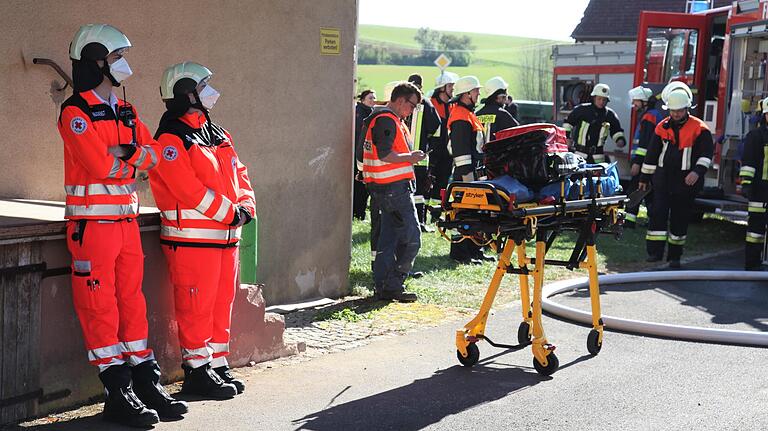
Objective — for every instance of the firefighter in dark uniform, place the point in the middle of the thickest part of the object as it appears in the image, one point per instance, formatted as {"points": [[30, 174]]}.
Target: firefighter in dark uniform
{"points": [[754, 186], [589, 125], [678, 158], [423, 123], [493, 115], [466, 137], [440, 160], [648, 116]]}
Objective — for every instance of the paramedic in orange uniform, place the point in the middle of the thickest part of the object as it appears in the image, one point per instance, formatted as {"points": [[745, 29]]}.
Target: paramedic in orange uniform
{"points": [[104, 145], [204, 195]]}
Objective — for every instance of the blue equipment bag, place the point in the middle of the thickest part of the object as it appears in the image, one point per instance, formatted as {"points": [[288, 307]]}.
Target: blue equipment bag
{"points": [[512, 186], [609, 182]]}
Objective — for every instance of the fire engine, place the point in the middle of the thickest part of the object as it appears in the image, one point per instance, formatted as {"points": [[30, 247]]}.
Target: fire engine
{"points": [[720, 53]]}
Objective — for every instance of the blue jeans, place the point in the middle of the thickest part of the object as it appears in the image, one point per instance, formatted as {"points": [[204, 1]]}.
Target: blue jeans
{"points": [[399, 237]]}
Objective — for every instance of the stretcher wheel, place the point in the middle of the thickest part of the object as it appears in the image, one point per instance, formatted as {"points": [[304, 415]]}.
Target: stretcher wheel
{"points": [[473, 355], [593, 342], [523, 333], [552, 365]]}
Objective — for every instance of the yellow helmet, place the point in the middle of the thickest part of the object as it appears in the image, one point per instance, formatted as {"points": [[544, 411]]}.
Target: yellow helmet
{"points": [[109, 38], [173, 74]]}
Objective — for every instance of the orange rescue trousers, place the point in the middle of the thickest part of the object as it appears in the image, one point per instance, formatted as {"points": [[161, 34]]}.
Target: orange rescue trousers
{"points": [[204, 281], [107, 269]]}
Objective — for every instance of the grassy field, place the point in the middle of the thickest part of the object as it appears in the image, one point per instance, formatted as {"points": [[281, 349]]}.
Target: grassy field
{"points": [[488, 47], [494, 55]]}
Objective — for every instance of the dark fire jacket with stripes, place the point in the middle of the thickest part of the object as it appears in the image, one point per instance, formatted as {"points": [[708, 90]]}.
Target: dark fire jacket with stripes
{"points": [[677, 149], [754, 164], [589, 127]]}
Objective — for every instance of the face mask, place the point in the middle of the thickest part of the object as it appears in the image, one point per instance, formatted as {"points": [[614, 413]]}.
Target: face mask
{"points": [[120, 70], [209, 96]]}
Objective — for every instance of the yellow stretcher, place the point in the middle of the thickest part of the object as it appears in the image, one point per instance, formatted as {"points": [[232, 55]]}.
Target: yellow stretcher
{"points": [[489, 216]]}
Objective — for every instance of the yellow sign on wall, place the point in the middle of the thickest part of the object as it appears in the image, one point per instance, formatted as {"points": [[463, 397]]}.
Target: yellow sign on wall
{"points": [[330, 41]]}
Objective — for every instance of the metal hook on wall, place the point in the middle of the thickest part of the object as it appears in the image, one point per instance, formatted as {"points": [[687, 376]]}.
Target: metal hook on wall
{"points": [[57, 68]]}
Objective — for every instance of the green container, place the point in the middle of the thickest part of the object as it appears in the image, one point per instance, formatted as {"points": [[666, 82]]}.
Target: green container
{"points": [[249, 251]]}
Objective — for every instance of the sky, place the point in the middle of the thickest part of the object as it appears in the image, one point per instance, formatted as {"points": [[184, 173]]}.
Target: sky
{"points": [[546, 19]]}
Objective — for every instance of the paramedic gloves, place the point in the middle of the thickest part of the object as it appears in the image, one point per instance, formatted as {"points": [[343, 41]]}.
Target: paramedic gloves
{"points": [[242, 216]]}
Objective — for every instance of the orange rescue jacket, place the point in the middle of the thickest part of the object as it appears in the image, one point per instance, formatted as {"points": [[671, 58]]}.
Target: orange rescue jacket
{"points": [[199, 183], [378, 171], [99, 185]]}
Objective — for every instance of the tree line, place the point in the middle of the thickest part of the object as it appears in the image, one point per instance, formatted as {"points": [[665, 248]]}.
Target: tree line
{"points": [[432, 43]]}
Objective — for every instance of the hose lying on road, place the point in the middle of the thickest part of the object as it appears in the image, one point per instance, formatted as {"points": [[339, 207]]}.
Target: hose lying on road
{"points": [[713, 335]]}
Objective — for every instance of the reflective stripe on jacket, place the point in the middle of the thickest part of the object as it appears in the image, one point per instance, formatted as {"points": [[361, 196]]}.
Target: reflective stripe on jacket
{"points": [[100, 186], [199, 183], [378, 171]]}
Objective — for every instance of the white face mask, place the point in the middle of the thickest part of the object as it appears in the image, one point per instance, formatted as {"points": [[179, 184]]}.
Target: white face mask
{"points": [[209, 96], [120, 70]]}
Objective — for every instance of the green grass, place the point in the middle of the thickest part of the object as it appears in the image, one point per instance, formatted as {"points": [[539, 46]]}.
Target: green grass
{"points": [[488, 47], [376, 76], [494, 55], [447, 284]]}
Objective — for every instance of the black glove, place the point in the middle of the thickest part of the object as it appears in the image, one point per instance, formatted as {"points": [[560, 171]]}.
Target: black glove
{"points": [[130, 149], [242, 217], [245, 214]]}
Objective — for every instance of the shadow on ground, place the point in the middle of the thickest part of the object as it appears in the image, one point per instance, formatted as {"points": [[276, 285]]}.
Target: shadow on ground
{"points": [[425, 401]]}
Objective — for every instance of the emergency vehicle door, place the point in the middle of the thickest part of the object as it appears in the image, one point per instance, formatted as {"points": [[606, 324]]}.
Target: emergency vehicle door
{"points": [[672, 47]]}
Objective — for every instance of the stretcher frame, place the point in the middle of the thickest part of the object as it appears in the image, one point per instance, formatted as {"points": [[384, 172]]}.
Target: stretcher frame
{"points": [[488, 216]]}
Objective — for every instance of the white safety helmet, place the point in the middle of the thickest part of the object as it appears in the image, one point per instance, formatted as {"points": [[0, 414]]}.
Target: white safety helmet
{"points": [[173, 74], [465, 84], [676, 95], [445, 78], [648, 93], [640, 93], [764, 104], [495, 84], [602, 90], [109, 38], [677, 100], [388, 87], [675, 86]]}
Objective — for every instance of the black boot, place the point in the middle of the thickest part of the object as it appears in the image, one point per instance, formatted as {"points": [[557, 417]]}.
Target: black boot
{"points": [[146, 385], [204, 382], [223, 372], [122, 405]]}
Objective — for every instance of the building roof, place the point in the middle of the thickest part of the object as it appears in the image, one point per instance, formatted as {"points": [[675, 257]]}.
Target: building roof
{"points": [[605, 20]]}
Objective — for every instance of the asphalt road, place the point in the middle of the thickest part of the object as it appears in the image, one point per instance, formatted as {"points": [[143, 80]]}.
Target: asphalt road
{"points": [[413, 381]]}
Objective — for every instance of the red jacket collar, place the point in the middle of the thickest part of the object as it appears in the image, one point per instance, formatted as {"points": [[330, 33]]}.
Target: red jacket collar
{"points": [[194, 119]]}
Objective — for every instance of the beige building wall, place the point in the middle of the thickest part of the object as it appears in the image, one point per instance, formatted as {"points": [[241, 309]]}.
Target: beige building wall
{"points": [[287, 106]]}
